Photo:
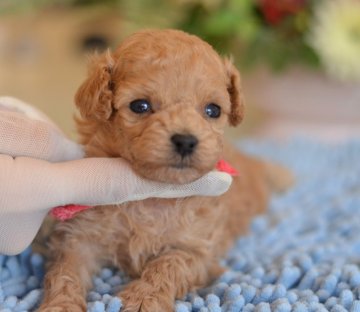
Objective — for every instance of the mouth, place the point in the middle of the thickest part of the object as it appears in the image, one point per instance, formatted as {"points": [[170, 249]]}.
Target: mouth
{"points": [[184, 163], [172, 168], [181, 166]]}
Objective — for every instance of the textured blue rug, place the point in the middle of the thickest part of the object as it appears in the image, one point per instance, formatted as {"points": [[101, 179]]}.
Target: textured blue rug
{"points": [[303, 255]]}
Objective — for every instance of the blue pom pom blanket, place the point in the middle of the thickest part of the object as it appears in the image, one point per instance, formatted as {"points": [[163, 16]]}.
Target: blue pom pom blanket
{"points": [[303, 255]]}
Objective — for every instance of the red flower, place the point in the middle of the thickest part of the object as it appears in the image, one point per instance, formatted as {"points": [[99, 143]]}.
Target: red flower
{"points": [[274, 11]]}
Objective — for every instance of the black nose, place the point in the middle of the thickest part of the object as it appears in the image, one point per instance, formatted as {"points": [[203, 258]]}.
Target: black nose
{"points": [[184, 144]]}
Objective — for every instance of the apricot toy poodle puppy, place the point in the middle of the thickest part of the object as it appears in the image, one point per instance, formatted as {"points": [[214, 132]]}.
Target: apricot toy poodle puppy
{"points": [[161, 101]]}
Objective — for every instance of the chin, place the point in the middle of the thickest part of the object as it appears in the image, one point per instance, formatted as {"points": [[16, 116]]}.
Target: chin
{"points": [[172, 174]]}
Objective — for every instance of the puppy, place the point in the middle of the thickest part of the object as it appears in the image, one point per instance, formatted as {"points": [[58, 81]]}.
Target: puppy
{"points": [[161, 101]]}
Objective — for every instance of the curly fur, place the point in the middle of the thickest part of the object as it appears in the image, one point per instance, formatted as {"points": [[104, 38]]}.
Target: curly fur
{"points": [[168, 246]]}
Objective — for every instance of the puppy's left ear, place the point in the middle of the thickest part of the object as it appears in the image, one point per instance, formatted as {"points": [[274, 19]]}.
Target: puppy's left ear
{"points": [[235, 92]]}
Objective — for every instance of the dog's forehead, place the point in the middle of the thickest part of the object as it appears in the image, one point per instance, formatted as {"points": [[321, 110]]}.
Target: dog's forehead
{"points": [[167, 51]]}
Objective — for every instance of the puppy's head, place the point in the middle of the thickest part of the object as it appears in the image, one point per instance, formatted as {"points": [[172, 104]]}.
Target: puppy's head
{"points": [[161, 101]]}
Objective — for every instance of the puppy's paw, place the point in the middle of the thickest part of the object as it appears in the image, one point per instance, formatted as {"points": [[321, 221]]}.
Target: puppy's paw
{"points": [[140, 296]]}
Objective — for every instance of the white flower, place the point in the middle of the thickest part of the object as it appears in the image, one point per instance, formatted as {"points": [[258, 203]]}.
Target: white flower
{"points": [[335, 36]]}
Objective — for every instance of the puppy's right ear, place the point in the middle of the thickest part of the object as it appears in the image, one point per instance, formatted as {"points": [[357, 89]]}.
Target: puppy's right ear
{"points": [[94, 98]]}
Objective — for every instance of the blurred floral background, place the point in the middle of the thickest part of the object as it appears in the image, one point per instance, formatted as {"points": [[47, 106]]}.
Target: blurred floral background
{"points": [[299, 59]]}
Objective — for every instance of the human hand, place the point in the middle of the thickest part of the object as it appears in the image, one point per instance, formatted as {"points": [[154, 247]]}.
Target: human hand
{"points": [[30, 187]]}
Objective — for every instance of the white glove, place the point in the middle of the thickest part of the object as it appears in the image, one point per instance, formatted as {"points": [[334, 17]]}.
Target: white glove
{"points": [[32, 185]]}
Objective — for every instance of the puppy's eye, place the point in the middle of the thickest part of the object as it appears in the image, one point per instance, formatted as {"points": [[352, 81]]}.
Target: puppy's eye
{"points": [[140, 106], [213, 110]]}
